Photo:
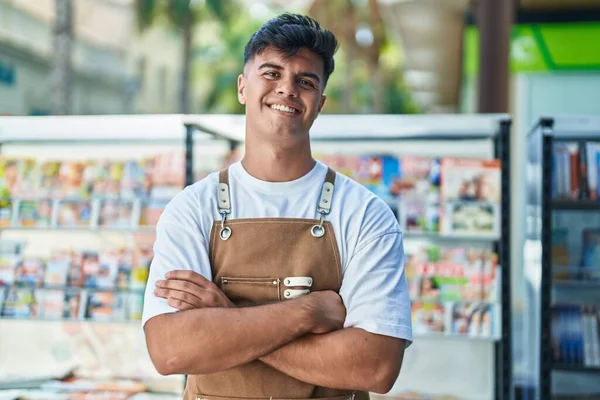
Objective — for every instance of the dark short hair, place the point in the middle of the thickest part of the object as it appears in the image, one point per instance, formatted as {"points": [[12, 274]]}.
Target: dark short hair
{"points": [[289, 33]]}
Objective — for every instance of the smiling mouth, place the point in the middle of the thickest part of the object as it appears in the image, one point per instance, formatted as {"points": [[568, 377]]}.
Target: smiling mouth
{"points": [[286, 109]]}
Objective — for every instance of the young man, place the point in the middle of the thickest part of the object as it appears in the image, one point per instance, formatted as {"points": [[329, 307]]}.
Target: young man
{"points": [[278, 278]]}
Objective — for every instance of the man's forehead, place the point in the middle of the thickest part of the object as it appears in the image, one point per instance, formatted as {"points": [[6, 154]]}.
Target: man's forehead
{"points": [[307, 59]]}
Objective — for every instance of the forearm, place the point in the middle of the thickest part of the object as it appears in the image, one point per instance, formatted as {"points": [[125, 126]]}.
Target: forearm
{"points": [[208, 340], [346, 359]]}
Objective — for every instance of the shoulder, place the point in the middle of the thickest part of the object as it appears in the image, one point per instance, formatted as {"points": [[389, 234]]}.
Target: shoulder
{"points": [[186, 207], [372, 215]]}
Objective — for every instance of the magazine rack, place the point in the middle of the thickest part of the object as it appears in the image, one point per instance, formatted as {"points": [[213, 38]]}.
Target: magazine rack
{"points": [[45, 339], [562, 249], [436, 364]]}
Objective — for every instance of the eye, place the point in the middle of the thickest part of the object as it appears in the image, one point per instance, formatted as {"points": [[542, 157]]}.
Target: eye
{"points": [[306, 82], [271, 74]]}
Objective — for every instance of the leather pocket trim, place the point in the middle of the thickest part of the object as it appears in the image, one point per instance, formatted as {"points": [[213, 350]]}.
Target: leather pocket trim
{"points": [[228, 285]]}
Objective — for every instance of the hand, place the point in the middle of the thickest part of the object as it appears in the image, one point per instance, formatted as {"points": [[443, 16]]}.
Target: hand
{"points": [[327, 310], [188, 290]]}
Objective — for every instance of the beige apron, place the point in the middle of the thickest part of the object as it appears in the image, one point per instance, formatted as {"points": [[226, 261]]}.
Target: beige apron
{"points": [[258, 261]]}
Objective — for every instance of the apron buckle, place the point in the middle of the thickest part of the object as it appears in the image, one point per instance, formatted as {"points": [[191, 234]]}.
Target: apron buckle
{"points": [[225, 232], [318, 230]]}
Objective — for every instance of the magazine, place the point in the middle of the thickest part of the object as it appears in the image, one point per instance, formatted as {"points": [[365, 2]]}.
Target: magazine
{"points": [[107, 306], [51, 303], [470, 197], [30, 272], [8, 268], [116, 214], [58, 269], [74, 213], [34, 213], [20, 303], [473, 319]]}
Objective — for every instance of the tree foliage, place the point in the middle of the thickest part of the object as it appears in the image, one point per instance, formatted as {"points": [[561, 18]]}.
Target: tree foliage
{"points": [[177, 12], [362, 82]]}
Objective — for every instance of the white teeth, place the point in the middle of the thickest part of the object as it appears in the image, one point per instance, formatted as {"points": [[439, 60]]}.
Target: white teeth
{"points": [[283, 108]]}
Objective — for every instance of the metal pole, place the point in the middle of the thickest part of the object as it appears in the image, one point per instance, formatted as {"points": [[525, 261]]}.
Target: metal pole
{"points": [[504, 363], [545, 378], [494, 20], [189, 155]]}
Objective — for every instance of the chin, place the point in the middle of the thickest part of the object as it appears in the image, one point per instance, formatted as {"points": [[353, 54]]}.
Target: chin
{"points": [[279, 129]]}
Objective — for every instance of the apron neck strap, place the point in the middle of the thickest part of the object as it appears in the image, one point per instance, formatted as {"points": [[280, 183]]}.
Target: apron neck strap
{"points": [[326, 193], [330, 177], [324, 207], [224, 176], [224, 203]]}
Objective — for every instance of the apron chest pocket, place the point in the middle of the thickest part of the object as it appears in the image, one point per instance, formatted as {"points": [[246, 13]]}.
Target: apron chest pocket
{"points": [[251, 291]]}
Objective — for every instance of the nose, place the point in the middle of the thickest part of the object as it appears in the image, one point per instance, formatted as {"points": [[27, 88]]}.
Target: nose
{"points": [[287, 88]]}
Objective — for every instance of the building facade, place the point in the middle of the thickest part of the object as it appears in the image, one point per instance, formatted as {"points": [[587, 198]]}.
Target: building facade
{"points": [[117, 70]]}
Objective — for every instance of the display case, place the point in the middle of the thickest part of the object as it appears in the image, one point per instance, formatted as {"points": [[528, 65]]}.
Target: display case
{"points": [[79, 200], [563, 254]]}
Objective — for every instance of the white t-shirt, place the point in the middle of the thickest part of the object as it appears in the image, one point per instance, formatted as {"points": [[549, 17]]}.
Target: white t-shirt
{"points": [[374, 288]]}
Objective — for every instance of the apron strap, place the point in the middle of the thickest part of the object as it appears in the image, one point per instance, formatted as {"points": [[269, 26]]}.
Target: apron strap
{"points": [[324, 206], [326, 193], [224, 203]]}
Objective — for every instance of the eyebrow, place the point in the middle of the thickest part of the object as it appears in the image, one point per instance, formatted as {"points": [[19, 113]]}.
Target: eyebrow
{"points": [[279, 68]]}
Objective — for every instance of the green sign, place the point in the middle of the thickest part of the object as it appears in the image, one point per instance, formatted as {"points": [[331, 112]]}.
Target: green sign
{"points": [[544, 47]]}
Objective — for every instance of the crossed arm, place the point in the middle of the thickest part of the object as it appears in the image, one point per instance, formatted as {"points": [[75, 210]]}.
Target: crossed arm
{"points": [[307, 342]]}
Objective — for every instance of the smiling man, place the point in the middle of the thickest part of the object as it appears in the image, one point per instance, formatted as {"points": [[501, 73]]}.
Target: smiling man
{"points": [[278, 278]]}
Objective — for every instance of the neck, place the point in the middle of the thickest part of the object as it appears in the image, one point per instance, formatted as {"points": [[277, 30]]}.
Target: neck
{"points": [[277, 163]]}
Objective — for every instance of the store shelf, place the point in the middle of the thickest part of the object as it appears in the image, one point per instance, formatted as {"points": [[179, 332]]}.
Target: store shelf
{"points": [[455, 238], [73, 288], [70, 320], [575, 205], [442, 336], [575, 368], [149, 229], [573, 284]]}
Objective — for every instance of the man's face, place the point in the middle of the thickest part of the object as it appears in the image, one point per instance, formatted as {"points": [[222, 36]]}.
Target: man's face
{"points": [[282, 95]]}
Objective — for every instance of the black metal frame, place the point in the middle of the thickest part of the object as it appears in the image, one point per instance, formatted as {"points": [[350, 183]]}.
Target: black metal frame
{"points": [[503, 350], [504, 389], [545, 375]]}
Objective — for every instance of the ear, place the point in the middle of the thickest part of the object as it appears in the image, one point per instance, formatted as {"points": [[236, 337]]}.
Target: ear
{"points": [[322, 102], [241, 83]]}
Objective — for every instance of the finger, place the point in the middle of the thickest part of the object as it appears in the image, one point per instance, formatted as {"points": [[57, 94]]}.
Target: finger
{"points": [[180, 305], [182, 286], [169, 294], [189, 276], [164, 293]]}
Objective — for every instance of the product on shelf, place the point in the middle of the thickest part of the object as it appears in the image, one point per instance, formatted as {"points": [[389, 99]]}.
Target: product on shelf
{"points": [[575, 335], [454, 290], [449, 196], [470, 197], [77, 285], [103, 193], [575, 171], [566, 266]]}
